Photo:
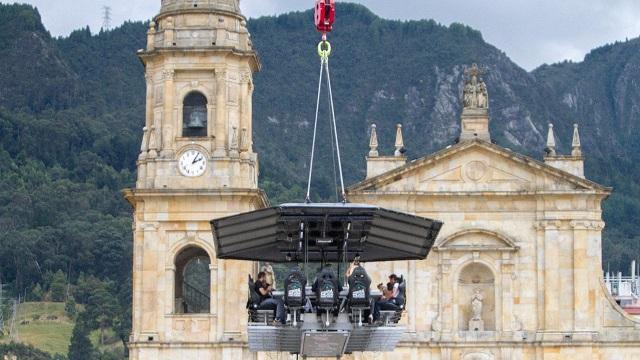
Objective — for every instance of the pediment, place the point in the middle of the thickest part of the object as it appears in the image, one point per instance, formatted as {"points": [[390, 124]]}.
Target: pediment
{"points": [[476, 166], [476, 240]]}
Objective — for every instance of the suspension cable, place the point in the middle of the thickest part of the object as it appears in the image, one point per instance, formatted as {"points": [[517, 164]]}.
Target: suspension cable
{"points": [[324, 50], [315, 131], [333, 163], [335, 130]]}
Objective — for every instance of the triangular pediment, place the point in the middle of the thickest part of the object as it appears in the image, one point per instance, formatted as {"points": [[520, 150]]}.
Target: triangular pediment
{"points": [[476, 166]]}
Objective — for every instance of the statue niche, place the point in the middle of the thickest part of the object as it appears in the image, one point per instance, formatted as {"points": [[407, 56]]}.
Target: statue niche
{"points": [[476, 298], [475, 95], [194, 115]]}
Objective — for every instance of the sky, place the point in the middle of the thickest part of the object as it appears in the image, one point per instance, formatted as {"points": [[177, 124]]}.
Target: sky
{"points": [[530, 32]]}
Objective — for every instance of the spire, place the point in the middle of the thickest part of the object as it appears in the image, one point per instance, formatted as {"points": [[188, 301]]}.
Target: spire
{"points": [[399, 142], [373, 142], [575, 144], [551, 142]]}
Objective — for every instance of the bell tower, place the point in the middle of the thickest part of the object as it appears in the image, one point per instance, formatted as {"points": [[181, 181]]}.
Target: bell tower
{"points": [[196, 163]]}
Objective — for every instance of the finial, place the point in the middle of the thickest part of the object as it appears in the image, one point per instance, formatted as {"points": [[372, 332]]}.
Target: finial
{"points": [[575, 144], [244, 140], [373, 142], [399, 141], [551, 142]]}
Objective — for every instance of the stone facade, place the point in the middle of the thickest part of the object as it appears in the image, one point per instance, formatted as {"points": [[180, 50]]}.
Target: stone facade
{"points": [[515, 274], [527, 235], [193, 47]]}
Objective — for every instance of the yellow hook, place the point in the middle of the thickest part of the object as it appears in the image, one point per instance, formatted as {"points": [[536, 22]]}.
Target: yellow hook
{"points": [[324, 50]]}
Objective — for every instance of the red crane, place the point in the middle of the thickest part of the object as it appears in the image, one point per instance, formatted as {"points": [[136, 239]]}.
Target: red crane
{"points": [[325, 16]]}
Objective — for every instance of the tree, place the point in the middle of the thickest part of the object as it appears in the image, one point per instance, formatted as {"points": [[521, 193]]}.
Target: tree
{"points": [[81, 347], [37, 292], [70, 307], [58, 286]]}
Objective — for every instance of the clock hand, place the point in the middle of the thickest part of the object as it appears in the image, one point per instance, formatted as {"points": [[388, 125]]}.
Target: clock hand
{"points": [[196, 160]]}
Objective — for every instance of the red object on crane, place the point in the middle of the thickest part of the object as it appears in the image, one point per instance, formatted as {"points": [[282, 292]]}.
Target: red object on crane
{"points": [[325, 15]]}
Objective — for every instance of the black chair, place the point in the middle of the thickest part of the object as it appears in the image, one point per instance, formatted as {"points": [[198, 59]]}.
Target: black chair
{"points": [[257, 312], [327, 291], [359, 292], [295, 296]]}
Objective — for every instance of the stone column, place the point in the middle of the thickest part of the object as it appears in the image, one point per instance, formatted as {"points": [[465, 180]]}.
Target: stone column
{"points": [[249, 116], [582, 310], [222, 117], [506, 293], [167, 124], [220, 299], [211, 121], [551, 275], [245, 117], [138, 247], [148, 281], [448, 324]]}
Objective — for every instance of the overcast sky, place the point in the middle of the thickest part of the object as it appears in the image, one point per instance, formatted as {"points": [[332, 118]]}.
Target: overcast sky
{"points": [[531, 32]]}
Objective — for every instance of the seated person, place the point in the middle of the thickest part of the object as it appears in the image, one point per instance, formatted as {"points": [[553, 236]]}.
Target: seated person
{"points": [[355, 264], [264, 289], [388, 298]]}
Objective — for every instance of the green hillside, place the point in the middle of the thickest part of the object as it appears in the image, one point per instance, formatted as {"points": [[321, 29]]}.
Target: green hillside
{"points": [[72, 110]]}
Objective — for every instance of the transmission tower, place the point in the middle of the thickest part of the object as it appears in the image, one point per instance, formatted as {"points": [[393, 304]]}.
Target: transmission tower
{"points": [[106, 18]]}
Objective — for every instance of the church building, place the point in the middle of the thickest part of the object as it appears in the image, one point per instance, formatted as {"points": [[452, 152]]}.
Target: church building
{"points": [[515, 274]]}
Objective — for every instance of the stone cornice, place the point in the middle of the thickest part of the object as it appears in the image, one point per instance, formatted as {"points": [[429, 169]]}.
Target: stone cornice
{"points": [[561, 224], [135, 195], [476, 193]]}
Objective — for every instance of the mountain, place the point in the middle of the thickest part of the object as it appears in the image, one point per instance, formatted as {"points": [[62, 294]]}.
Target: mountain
{"points": [[72, 110]]}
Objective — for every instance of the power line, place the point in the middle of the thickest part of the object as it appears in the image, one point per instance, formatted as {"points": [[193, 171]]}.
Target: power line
{"points": [[106, 18]]}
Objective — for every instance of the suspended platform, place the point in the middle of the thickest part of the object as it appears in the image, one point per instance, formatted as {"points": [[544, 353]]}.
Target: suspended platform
{"points": [[328, 320], [331, 232]]}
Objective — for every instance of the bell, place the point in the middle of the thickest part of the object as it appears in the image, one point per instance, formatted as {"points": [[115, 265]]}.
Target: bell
{"points": [[197, 119]]}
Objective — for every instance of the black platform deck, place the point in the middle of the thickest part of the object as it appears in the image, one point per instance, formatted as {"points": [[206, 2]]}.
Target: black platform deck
{"points": [[324, 232]]}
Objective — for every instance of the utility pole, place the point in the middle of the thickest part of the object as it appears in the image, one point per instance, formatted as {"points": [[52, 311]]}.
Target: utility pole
{"points": [[13, 329], [1, 308], [106, 18]]}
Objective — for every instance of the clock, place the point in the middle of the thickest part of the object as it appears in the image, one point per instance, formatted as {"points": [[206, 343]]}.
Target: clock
{"points": [[192, 163]]}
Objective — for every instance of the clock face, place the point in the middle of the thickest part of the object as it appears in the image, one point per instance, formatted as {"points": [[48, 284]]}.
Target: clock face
{"points": [[192, 163]]}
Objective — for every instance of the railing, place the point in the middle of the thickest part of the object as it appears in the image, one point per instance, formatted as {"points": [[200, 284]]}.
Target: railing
{"points": [[195, 300]]}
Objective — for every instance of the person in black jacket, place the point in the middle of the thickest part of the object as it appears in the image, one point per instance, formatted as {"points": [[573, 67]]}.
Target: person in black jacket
{"points": [[264, 289]]}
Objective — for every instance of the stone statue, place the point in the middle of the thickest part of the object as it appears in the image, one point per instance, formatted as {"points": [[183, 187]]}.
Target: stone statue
{"points": [[475, 94], [477, 302], [476, 305]]}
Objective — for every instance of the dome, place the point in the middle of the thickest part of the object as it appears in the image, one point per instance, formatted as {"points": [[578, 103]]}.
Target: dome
{"points": [[204, 5]]}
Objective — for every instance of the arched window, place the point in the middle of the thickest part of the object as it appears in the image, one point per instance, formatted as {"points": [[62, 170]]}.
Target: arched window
{"points": [[193, 282], [194, 115], [476, 298]]}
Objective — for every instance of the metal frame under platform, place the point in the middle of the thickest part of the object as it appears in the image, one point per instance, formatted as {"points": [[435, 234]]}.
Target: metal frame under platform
{"points": [[323, 342]]}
